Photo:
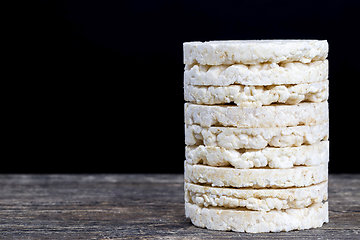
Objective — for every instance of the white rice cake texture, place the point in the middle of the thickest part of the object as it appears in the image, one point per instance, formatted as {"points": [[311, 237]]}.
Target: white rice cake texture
{"points": [[257, 96], [258, 200], [259, 75], [242, 220], [255, 138], [254, 51], [261, 117], [299, 176], [288, 157]]}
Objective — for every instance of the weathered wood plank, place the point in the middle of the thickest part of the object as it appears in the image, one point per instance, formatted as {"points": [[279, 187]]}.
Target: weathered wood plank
{"points": [[138, 206]]}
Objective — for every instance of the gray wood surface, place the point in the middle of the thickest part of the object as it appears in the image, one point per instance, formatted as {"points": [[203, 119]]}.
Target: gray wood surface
{"points": [[138, 206]]}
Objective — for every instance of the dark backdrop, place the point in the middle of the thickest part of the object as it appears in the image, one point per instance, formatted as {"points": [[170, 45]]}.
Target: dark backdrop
{"points": [[101, 86]]}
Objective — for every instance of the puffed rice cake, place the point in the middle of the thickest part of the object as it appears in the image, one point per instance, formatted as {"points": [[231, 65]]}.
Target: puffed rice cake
{"points": [[256, 134]]}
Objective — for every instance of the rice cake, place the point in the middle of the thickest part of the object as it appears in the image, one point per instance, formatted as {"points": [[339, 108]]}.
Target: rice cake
{"points": [[243, 220], [254, 51], [298, 176], [307, 155], [256, 199], [255, 138], [257, 96], [264, 74], [262, 117]]}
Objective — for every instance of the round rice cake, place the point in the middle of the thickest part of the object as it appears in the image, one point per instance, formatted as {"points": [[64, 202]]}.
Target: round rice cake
{"points": [[256, 199], [298, 176], [262, 117], [288, 157], [254, 51], [263, 74], [244, 220], [257, 96], [255, 138]]}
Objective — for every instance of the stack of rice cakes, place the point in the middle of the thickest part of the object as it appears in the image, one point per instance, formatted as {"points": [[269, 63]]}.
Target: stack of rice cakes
{"points": [[256, 134]]}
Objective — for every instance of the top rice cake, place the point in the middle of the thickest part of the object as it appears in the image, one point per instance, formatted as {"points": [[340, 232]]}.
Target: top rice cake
{"points": [[254, 51]]}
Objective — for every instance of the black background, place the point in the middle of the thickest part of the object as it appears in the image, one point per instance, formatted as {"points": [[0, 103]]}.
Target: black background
{"points": [[100, 84]]}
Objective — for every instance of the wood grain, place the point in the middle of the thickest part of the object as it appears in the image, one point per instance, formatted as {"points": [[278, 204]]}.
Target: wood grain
{"points": [[138, 206]]}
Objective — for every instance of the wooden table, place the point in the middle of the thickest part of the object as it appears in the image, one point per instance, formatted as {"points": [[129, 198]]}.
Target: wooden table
{"points": [[138, 206]]}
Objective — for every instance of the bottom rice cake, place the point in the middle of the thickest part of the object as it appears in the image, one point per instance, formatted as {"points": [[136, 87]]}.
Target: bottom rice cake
{"points": [[265, 199], [298, 176], [244, 220]]}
